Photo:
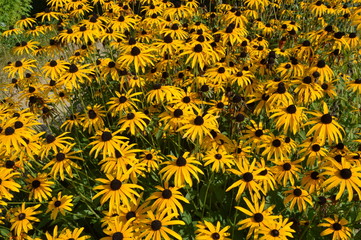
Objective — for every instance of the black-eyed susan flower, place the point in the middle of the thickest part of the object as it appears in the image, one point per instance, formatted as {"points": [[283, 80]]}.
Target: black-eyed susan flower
{"points": [[151, 158], [156, 226], [255, 134], [162, 93], [75, 75], [39, 187], [312, 181], [287, 170], [119, 230], [355, 86], [345, 175], [325, 127], [116, 190], [72, 121], [198, 126], [182, 168], [54, 68], [325, 72], [137, 58], [22, 220], [208, 231], [121, 161], [269, 182], [258, 216], [20, 67], [134, 121], [134, 210], [312, 151], [275, 147], [198, 55], [277, 230], [219, 159], [107, 142], [62, 163], [25, 47], [299, 197], [7, 183], [336, 227], [93, 118], [60, 204], [123, 102], [249, 176], [73, 234], [289, 118], [307, 89], [167, 198], [54, 143], [174, 118]]}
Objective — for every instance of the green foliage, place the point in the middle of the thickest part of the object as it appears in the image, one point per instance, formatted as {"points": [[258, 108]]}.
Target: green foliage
{"points": [[12, 10]]}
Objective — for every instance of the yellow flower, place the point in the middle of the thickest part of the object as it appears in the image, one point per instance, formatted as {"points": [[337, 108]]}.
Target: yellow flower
{"points": [[22, 220], [155, 227], [337, 228], [116, 191], [59, 204], [182, 168]]}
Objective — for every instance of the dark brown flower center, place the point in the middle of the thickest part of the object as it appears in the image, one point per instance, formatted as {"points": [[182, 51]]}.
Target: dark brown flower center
{"points": [[314, 175], [111, 64], [247, 177], [346, 173], [286, 166], [106, 136], [18, 64], [297, 192], [115, 184], [73, 68], [198, 120], [166, 193], [321, 64], [198, 48], [276, 143], [50, 138], [18, 124], [9, 131], [130, 215], [215, 235], [177, 113], [60, 157], [258, 217], [9, 164], [21, 216], [156, 225], [291, 109], [326, 118], [186, 99], [117, 236], [307, 80], [135, 51], [53, 63], [218, 156], [263, 172], [35, 184], [130, 116], [181, 161], [57, 203], [122, 99], [92, 114], [336, 226], [275, 233], [316, 147], [258, 133]]}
